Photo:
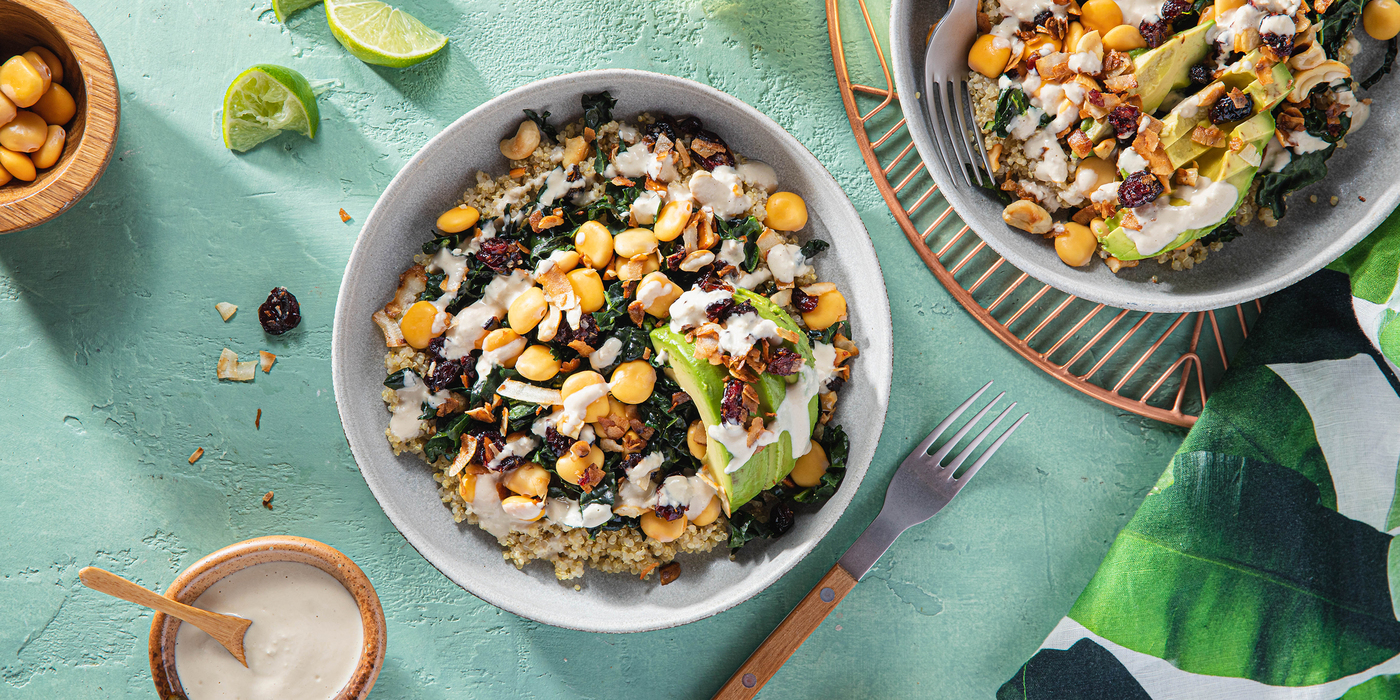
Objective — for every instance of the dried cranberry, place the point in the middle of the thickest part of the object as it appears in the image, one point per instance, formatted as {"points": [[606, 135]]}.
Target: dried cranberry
{"points": [[806, 303], [784, 362], [1225, 110], [669, 512], [716, 159], [448, 373], [1043, 17], [1139, 188], [1173, 9], [280, 313], [587, 330], [688, 126], [709, 282], [1282, 44], [558, 442], [1124, 120], [501, 255], [1155, 33], [835, 384], [781, 518], [731, 405], [1201, 74], [662, 126]]}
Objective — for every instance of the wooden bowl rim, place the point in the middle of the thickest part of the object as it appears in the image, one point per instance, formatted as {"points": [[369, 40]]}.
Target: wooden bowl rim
{"points": [[94, 153], [194, 580]]}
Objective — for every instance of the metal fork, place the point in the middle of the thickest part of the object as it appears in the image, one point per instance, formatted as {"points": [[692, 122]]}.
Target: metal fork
{"points": [[921, 487], [949, 101]]}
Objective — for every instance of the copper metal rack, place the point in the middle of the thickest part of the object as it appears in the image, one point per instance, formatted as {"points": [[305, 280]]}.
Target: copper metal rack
{"points": [[1161, 366]]}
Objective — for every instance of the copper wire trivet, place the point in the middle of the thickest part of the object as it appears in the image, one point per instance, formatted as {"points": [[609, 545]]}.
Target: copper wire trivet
{"points": [[1156, 365]]}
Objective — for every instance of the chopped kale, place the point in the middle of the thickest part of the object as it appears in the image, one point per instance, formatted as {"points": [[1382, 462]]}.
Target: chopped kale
{"points": [[485, 387], [520, 414], [1300, 172], [1335, 26], [597, 111], [395, 380], [446, 442], [1392, 47], [635, 342], [1010, 104], [434, 288], [813, 248], [613, 310], [1223, 233], [542, 121]]}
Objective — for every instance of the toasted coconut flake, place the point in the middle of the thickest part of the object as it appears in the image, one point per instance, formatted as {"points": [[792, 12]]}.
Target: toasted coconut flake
{"points": [[230, 368], [199, 452], [581, 347], [755, 430], [412, 282], [767, 240], [653, 185], [265, 360], [707, 348], [267, 497], [485, 414], [1127, 219], [684, 153], [1121, 83], [529, 393], [818, 289], [1186, 177], [705, 148], [1208, 135], [465, 455], [557, 289], [344, 217], [782, 297], [226, 310], [621, 181], [636, 312], [633, 269], [1083, 216], [549, 327], [1114, 264], [788, 335]]}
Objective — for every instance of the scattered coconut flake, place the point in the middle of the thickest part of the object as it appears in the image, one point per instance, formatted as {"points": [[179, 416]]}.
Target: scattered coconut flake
{"points": [[520, 391], [257, 422], [265, 360], [199, 452], [267, 497], [226, 310], [344, 217], [228, 363]]}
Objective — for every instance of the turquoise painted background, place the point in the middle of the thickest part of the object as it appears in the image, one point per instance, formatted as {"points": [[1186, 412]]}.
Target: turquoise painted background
{"points": [[108, 340]]}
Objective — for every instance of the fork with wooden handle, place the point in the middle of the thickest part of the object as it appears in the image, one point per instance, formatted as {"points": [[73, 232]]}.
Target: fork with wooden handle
{"points": [[921, 487]]}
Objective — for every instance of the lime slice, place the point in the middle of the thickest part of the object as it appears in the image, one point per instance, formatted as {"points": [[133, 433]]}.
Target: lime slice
{"points": [[286, 8], [265, 100], [376, 33]]}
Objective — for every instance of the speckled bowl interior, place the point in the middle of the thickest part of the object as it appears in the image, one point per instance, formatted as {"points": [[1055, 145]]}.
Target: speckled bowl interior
{"points": [[403, 219], [1261, 261], [194, 581]]}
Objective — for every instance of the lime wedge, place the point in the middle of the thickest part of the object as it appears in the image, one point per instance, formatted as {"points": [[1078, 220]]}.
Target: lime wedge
{"points": [[286, 8], [265, 100], [376, 33]]}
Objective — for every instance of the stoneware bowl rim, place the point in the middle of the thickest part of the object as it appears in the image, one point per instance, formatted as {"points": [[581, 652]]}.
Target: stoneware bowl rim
{"points": [[1234, 285], [196, 579], [77, 173], [467, 555]]}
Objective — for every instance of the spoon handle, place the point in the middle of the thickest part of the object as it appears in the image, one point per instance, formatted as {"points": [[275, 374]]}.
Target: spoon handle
{"points": [[228, 630]]}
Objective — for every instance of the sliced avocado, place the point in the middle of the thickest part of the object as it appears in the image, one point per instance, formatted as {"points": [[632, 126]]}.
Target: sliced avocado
{"points": [[1177, 128], [1219, 164], [1166, 68], [705, 382]]}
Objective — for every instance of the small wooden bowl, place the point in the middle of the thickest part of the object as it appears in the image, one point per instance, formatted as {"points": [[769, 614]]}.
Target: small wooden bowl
{"points": [[204, 573], [92, 134]]}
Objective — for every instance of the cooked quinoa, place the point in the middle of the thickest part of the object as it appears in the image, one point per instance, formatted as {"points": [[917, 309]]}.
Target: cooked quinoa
{"points": [[628, 476], [1106, 121]]}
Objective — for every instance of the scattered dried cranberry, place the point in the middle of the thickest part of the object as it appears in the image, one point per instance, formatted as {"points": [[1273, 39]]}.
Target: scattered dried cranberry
{"points": [[804, 302], [558, 442], [781, 518], [501, 255], [1139, 188], [784, 362], [280, 313], [1201, 74], [1124, 120], [731, 406], [1225, 110], [1282, 44], [669, 512]]}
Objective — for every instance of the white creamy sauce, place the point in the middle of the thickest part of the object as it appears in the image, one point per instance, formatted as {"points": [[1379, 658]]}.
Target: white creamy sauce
{"points": [[1206, 204], [751, 280], [736, 441], [606, 354], [486, 505], [628, 133], [633, 162], [640, 473], [675, 492], [525, 510], [1276, 156], [695, 264], [759, 174], [720, 191], [688, 311], [1042, 148], [1135, 11], [645, 206], [1024, 124], [1087, 63], [405, 423], [557, 185], [1107, 192], [552, 261], [1234, 22], [793, 417], [1303, 142], [825, 357], [494, 358], [1086, 181], [701, 492], [741, 331], [731, 252], [576, 408], [1286, 7], [634, 498], [1278, 24], [651, 290], [454, 264], [1026, 10], [678, 192], [519, 447], [566, 513], [1004, 36], [786, 262], [304, 642], [469, 325], [1130, 162]]}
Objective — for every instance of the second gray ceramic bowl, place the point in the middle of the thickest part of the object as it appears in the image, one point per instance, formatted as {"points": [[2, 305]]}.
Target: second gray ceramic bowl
{"points": [[1262, 261], [403, 219]]}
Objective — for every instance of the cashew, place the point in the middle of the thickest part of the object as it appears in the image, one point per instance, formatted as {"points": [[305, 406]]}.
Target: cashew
{"points": [[1027, 216], [1321, 74], [526, 139], [1311, 58]]}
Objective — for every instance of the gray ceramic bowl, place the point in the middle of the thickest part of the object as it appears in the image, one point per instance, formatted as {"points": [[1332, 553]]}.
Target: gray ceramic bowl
{"points": [[1262, 261], [403, 219]]}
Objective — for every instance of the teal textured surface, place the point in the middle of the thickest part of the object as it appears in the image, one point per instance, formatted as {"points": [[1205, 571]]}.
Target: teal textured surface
{"points": [[108, 340]]}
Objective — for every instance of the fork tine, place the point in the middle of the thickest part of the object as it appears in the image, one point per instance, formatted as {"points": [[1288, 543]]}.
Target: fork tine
{"points": [[951, 129], [959, 109], [977, 136], [962, 456], [953, 441], [991, 450], [940, 125], [922, 449]]}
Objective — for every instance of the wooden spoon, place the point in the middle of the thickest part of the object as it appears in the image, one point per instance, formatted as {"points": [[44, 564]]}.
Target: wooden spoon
{"points": [[225, 629]]}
